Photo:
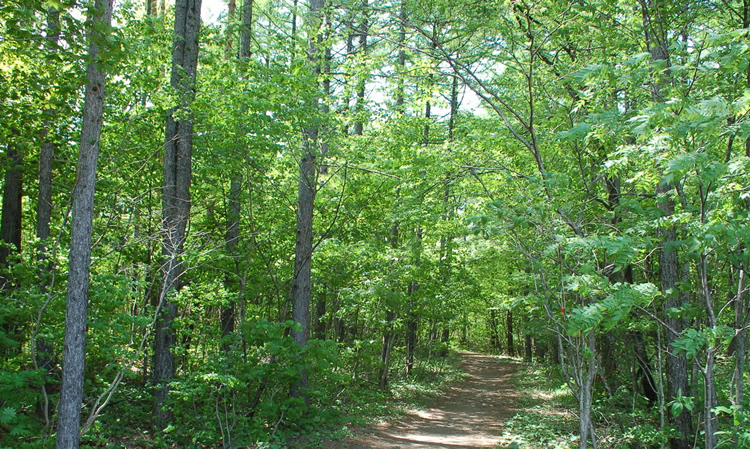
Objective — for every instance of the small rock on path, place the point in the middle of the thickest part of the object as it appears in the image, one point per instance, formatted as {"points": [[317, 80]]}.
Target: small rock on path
{"points": [[468, 416]]}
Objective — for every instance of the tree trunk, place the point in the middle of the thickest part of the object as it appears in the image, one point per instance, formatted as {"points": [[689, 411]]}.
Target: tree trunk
{"points": [[246, 29], [364, 29], [307, 188], [176, 196], [509, 331], [411, 328], [320, 312], [676, 364], [71, 393], [10, 224], [10, 229], [669, 264], [740, 351], [588, 372], [494, 336], [44, 351], [385, 352]]}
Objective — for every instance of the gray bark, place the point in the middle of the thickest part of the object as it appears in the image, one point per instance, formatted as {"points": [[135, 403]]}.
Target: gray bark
{"points": [[364, 29], [307, 188], [44, 351], [676, 364], [176, 196], [740, 353], [669, 264], [246, 29], [71, 393]]}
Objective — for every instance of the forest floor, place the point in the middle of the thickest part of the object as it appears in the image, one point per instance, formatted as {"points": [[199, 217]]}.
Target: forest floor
{"points": [[470, 415]]}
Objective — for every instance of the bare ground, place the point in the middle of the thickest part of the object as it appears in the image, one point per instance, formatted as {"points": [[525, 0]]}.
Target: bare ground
{"points": [[468, 416]]}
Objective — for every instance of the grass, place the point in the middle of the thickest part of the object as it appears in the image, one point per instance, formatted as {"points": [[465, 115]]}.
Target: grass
{"points": [[367, 405], [545, 419]]}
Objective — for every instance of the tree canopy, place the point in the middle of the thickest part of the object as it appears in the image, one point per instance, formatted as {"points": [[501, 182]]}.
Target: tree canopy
{"points": [[296, 197]]}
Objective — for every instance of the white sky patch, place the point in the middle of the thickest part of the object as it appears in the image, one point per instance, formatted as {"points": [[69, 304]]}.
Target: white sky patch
{"points": [[211, 10]]}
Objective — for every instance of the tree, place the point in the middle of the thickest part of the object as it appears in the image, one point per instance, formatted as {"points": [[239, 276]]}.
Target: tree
{"points": [[74, 353], [178, 150], [307, 188]]}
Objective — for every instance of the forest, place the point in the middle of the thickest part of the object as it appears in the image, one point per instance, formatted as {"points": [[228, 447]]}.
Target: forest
{"points": [[227, 231]]}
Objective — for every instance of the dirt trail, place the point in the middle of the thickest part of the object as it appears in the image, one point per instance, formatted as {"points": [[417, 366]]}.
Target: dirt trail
{"points": [[467, 416]]}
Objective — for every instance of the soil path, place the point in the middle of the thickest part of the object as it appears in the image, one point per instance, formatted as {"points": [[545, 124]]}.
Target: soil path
{"points": [[468, 416]]}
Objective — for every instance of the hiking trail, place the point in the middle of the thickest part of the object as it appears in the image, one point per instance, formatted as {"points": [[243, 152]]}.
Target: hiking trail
{"points": [[469, 415]]}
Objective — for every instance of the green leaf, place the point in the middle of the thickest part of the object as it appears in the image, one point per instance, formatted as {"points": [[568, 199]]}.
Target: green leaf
{"points": [[7, 415]]}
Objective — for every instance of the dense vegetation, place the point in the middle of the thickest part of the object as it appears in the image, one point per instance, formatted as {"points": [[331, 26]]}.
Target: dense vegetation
{"points": [[299, 205]]}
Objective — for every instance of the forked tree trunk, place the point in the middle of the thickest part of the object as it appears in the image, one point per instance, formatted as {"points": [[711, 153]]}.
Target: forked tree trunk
{"points": [[178, 150], [74, 349]]}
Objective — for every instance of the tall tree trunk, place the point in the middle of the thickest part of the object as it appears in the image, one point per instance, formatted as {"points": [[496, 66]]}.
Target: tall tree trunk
{"points": [[178, 150], [71, 393], [669, 264], [10, 223], [740, 350], [307, 188], [388, 334], [412, 321], [740, 303], [364, 30], [234, 212], [401, 61], [10, 228], [676, 364], [44, 351]]}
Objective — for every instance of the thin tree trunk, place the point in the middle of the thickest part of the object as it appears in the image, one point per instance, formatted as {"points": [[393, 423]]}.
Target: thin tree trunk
{"points": [[411, 328], [509, 333], [234, 212], [74, 352], [176, 197], [43, 349], [401, 62], [385, 352], [586, 393], [740, 351]]}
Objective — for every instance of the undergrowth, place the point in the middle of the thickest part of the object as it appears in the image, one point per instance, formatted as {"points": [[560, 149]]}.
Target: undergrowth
{"points": [[545, 419]]}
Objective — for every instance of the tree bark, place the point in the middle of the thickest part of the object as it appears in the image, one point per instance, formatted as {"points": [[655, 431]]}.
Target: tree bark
{"points": [[411, 328], [306, 190], [10, 223], [669, 264], [364, 29], [176, 196], [71, 393], [676, 364], [509, 333], [44, 351]]}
